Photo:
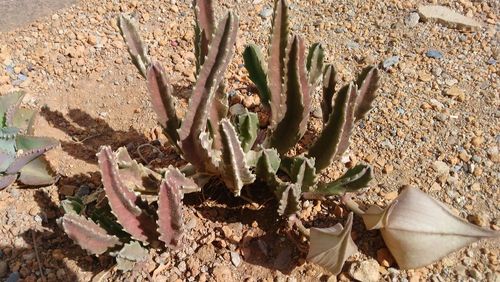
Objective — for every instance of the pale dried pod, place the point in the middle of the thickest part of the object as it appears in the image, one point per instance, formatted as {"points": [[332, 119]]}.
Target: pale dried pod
{"points": [[330, 247], [419, 230]]}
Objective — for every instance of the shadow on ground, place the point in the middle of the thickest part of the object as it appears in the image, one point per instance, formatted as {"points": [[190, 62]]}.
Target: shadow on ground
{"points": [[89, 134], [275, 247], [50, 254]]}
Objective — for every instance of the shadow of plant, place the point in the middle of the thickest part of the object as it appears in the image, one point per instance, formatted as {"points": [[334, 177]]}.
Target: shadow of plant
{"points": [[266, 242], [89, 133], [272, 245], [271, 249], [48, 253]]}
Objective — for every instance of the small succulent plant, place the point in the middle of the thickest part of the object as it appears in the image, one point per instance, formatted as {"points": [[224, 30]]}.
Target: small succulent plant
{"points": [[21, 152], [146, 206]]}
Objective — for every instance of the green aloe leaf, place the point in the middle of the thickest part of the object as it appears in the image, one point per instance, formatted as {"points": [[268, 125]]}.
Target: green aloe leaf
{"points": [[329, 83], [276, 60], [129, 255], [367, 82], [8, 140], [163, 101], [234, 169], [7, 101], [315, 62], [334, 139], [289, 202], [248, 127], [268, 163], [23, 119], [36, 173], [6, 160], [87, 234], [257, 71], [204, 29], [7, 180], [73, 205], [354, 179], [137, 49], [294, 122], [123, 201], [301, 170], [194, 124]]}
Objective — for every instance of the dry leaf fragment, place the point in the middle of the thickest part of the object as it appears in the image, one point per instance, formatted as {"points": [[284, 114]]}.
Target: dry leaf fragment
{"points": [[330, 247]]}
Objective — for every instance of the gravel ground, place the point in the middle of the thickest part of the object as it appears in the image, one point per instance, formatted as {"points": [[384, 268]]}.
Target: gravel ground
{"points": [[435, 125], [16, 13]]}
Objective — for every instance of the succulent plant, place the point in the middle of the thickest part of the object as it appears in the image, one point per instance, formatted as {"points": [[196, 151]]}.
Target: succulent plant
{"points": [[21, 153], [145, 206], [151, 211], [144, 222], [216, 145], [221, 146], [285, 86]]}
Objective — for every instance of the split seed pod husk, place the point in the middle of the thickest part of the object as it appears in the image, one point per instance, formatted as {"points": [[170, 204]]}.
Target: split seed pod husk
{"points": [[330, 247], [419, 230]]}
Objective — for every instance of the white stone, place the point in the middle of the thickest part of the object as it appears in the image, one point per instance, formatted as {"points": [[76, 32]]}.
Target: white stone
{"points": [[365, 271], [447, 17]]}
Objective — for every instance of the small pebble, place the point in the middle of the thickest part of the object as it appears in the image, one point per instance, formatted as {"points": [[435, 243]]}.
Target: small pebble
{"points": [[266, 12], [461, 270], [412, 19], [388, 169], [352, 45], [447, 16], [455, 91], [340, 30], [367, 271], [424, 76], [235, 258], [67, 190], [477, 141], [391, 196], [317, 112], [182, 266], [441, 168], [476, 159], [389, 62], [437, 71], [493, 154], [13, 277], [451, 81], [435, 54], [83, 190], [475, 186], [393, 271], [474, 273], [480, 219]]}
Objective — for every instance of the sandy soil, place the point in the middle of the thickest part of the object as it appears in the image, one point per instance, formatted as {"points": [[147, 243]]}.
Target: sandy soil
{"points": [[17, 13], [430, 113]]}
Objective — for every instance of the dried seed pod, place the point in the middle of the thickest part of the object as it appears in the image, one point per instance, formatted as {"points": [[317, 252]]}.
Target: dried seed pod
{"points": [[330, 247], [419, 230]]}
